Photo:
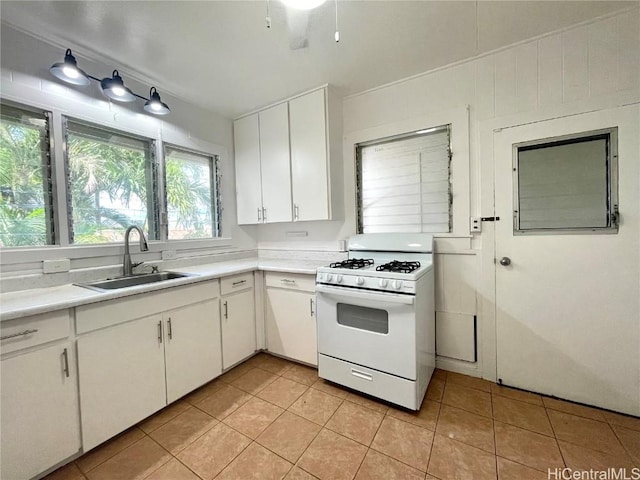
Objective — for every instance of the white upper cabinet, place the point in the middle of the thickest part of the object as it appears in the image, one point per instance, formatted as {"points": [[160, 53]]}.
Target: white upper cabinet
{"points": [[298, 145], [275, 164], [309, 166], [246, 134]]}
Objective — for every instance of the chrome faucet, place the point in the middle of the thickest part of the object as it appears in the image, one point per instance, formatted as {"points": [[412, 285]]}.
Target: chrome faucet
{"points": [[127, 266]]}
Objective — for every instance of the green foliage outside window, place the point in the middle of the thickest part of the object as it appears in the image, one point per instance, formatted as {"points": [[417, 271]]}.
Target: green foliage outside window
{"points": [[111, 185], [22, 188]]}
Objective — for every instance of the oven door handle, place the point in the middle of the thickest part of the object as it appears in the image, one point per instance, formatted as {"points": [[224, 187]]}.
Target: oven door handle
{"points": [[366, 295]]}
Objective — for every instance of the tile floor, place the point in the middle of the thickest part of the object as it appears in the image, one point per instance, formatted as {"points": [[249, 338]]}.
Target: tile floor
{"points": [[270, 419]]}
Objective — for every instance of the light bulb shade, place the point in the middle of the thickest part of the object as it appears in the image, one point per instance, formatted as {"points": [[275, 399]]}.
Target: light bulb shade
{"points": [[114, 88], [303, 4], [68, 71], [155, 105]]}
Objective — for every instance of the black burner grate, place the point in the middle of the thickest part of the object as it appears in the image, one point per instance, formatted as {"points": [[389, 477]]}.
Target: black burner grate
{"points": [[353, 263], [397, 266]]}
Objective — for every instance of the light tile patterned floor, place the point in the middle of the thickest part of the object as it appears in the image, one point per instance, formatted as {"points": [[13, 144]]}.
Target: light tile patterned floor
{"points": [[271, 419]]}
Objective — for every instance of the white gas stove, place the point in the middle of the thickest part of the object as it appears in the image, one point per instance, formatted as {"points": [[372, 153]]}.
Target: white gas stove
{"points": [[389, 276], [376, 317]]}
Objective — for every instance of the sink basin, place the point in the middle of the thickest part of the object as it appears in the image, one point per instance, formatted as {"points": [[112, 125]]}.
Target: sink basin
{"points": [[134, 280]]}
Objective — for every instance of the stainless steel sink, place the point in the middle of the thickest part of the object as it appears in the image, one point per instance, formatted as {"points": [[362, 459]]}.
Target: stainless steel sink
{"points": [[132, 281]]}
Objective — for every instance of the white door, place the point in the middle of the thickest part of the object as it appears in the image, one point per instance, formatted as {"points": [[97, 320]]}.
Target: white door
{"points": [[246, 137], [309, 161], [567, 309], [275, 164], [121, 377], [40, 415], [238, 327], [192, 347], [291, 325]]}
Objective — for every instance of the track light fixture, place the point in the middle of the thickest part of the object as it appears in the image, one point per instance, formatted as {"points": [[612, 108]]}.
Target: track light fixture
{"points": [[68, 70], [155, 104], [113, 87]]}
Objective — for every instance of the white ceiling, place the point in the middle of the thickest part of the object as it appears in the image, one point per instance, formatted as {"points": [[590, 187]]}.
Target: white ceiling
{"points": [[220, 55]]}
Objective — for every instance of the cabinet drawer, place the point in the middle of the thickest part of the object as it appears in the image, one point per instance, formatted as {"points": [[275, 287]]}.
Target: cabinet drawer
{"points": [[38, 329], [292, 281], [236, 283], [372, 382], [120, 310]]}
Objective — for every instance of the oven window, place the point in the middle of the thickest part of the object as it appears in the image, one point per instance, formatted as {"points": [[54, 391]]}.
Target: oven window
{"points": [[363, 318]]}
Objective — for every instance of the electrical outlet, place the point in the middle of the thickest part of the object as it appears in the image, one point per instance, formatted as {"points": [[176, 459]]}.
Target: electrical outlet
{"points": [[475, 225], [56, 266], [169, 255]]}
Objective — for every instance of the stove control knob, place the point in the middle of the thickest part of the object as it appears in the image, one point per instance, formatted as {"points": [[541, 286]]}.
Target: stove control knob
{"points": [[339, 278], [329, 277], [359, 280], [383, 282], [321, 277], [397, 284]]}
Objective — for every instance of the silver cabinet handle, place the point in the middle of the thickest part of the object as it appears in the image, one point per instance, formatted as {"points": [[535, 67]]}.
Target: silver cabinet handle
{"points": [[160, 331], [226, 310], [19, 334], [259, 217], [359, 374], [286, 280], [311, 306], [170, 330], [264, 214], [296, 212], [505, 261], [239, 282], [65, 358]]}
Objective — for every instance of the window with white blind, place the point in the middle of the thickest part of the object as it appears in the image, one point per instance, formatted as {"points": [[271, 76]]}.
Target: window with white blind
{"points": [[567, 184], [404, 183]]}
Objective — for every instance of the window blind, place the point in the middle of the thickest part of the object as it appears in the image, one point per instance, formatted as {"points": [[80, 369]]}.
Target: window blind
{"points": [[404, 184], [563, 186]]}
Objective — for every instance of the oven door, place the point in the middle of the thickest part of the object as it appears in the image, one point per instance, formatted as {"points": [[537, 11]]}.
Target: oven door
{"points": [[372, 329]]}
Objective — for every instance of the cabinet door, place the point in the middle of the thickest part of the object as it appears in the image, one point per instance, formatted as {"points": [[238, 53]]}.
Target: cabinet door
{"points": [[246, 136], [238, 327], [275, 164], [309, 161], [192, 347], [121, 377], [40, 416], [291, 325]]}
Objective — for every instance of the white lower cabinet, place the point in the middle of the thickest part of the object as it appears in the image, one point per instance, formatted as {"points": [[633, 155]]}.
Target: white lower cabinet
{"points": [[137, 354], [39, 400], [121, 377], [290, 317], [238, 319], [192, 348]]}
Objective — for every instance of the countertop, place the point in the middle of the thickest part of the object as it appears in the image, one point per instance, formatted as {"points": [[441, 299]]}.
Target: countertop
{"points": [[24, 303]]}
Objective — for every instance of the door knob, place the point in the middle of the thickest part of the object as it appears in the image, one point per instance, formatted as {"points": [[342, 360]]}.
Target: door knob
{"points": [[505, 261]]}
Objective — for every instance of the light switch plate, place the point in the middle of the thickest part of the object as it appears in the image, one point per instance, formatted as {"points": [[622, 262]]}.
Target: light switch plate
{"points": [[475, 225]]}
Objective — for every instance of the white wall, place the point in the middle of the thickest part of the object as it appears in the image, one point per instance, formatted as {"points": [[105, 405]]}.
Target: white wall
{"points": [[25, 79], [589, 67], [586, 68]]}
